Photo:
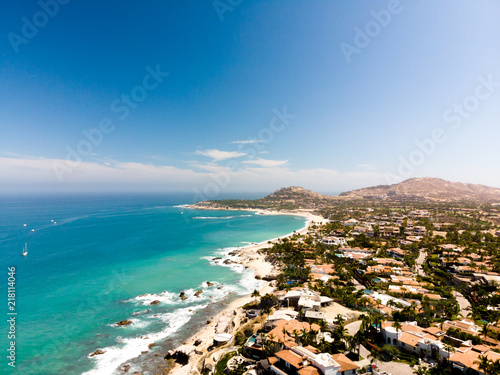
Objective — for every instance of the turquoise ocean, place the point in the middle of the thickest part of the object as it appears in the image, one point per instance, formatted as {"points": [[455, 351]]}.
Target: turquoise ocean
{"points": [[94, 260]]}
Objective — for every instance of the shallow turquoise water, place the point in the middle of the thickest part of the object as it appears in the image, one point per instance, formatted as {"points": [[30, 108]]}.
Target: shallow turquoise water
{"points": [[87, 271]]}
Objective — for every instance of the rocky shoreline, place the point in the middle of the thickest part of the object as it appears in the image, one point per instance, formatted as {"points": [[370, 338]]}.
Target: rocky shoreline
{"points": [[197, 349]]}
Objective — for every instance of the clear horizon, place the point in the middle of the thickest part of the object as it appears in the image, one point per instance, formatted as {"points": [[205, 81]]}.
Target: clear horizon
{"points": [[224, 97]]}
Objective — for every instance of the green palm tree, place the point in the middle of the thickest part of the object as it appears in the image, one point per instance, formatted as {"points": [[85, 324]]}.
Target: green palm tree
{"points": [[485, 330], [351, 343], [323, 324], [420, 370], [304, 336], [376, 355], [323, 345], [397, 326], [365, 323], [255, 294], [484, 364], [296, 335], [340, 319], [377, 320], [284, 331], [450, 350], [268, 344]]}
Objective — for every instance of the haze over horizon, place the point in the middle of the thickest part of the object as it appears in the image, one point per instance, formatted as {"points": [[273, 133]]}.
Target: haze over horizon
{"points": [[219, 97]]}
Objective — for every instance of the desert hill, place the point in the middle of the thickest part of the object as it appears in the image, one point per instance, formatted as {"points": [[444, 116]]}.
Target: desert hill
{"points": [[428, 188]]}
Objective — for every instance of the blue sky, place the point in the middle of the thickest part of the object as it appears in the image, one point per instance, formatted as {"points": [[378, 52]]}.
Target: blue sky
{"points": [[213, 97]]}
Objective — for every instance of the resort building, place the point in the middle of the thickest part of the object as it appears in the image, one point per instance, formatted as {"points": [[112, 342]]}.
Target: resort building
{"points": [[337, 241], [415, 339]]}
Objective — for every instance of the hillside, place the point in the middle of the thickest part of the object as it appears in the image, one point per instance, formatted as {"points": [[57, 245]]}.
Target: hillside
{"points": [[430, 189], [414, 190], [286, 198]]}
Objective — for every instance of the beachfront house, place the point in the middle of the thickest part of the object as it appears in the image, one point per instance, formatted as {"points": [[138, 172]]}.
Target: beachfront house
{"points": [[337, 241], [309, 361]]}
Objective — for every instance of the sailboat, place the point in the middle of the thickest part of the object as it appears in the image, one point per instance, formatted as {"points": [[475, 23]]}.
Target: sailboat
{"points": [[25, 249]]}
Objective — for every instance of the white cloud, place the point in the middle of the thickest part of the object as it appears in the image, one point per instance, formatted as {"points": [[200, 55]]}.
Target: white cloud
{"points": [[266, 162], [218, 155], [248, 141], [263, 176]]}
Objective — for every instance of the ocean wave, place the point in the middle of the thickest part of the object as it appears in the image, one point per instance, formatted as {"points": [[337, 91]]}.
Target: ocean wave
{"points": [[136, 323], [248, 283], [213, 293], [129, 348], [164, 298]]}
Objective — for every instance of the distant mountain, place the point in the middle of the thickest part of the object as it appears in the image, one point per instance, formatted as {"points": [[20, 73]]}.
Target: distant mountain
{"points": [[296, 194], [428, 188]]}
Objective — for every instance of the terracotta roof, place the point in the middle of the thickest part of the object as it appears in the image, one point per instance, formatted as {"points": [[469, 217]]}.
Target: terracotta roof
{"points": [[411, 328], [290, 326], [345, 363], [432, 296], [312, 349], [481, 348], [433, 330], [309, 370], [290, 357], [466, 359], [470, 358], [409, 339]]}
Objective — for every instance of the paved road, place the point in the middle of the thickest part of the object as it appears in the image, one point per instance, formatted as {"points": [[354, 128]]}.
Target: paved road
{"points": [[463, 302], [358, 285], [420, 260], [353, 327], [395, 368]]}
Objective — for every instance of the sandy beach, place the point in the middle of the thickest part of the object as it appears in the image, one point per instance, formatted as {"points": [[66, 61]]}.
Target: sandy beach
{"points": [[230, 319]]}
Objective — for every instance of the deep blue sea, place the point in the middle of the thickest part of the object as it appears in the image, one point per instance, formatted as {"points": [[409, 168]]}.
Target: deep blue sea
{"points": [[94, 260]]}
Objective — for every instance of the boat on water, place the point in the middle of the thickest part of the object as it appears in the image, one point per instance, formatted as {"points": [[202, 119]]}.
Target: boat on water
{"points": [[25, 249]]}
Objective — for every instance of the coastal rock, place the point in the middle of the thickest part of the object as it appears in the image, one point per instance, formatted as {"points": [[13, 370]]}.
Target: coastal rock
{"points": [[151, 345], [98, 352], [142, 312], [182, 295], [155, 302], [124, 323], [209, 284], [181, 354], [198, 293], [270, 277], [227, 261]]}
